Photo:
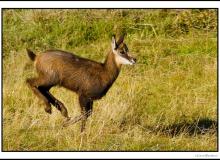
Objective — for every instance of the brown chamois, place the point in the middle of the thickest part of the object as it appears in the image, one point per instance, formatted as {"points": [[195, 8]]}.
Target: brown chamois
{"points": [[89, 79]]}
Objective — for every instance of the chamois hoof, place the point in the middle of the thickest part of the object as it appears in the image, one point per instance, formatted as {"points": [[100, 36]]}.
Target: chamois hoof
{"points": [[67, 119], [66, 122], [48, 110], [72, 121]]}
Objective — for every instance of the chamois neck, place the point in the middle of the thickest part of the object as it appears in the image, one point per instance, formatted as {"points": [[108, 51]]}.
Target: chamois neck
{"points": [[111, 66], [110, 63]]}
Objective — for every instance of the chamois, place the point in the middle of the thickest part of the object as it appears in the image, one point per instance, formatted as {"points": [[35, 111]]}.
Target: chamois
{"points": [[89, 79]]}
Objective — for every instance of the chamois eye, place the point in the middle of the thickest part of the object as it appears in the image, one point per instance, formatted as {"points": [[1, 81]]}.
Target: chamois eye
{"points": [[122, 52]]}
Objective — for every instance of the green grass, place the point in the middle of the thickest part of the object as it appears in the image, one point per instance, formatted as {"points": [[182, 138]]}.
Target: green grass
{"points": [[166, 102]]}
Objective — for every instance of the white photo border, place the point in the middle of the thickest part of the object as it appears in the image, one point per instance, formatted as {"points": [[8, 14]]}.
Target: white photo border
{"points": [[108, 4]]}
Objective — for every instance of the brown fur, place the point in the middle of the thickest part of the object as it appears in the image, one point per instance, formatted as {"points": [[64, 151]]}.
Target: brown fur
{"points": [[89, 79]]}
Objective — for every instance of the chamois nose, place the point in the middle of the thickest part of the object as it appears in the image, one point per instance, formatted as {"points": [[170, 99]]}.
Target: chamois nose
{"points": [[135, 60]]}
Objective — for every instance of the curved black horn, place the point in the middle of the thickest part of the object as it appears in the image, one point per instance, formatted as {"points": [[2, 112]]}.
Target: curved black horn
{"points": [[121, 39]]}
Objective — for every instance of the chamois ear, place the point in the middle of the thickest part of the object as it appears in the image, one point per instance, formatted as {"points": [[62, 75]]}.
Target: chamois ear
{"points": [[114, 44], [121, 39]]}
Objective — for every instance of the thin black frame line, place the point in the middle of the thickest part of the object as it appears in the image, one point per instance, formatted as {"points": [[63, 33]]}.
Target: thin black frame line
{"points": [[109, 151]]}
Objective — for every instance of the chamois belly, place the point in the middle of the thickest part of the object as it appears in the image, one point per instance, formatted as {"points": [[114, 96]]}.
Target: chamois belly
{"points": [[91, 88], [97, 91]]}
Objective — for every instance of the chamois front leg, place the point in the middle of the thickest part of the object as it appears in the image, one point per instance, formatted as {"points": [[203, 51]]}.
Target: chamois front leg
{"points": [[86, 110]]}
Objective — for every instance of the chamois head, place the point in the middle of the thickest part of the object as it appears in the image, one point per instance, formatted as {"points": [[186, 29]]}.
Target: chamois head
{"points": [[120, 50]]}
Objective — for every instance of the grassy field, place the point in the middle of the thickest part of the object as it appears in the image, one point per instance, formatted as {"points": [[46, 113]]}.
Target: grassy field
{"points": [[166, 102]]}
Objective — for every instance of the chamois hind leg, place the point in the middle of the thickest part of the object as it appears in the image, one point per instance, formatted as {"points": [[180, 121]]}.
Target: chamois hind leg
{"points": [[34, 84], [41, 89], [58, 104]]}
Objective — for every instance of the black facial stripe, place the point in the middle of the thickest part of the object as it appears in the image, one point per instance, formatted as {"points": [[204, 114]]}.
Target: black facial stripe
{"points": [[122, 52], [125, 48], [124, 56]]}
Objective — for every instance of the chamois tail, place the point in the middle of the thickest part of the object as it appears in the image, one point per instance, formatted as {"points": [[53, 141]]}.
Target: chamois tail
{"points": [[31, 54]]}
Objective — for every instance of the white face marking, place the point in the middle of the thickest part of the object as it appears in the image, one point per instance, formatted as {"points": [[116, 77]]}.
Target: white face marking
{"points": [[114, 51], [122, 60]]}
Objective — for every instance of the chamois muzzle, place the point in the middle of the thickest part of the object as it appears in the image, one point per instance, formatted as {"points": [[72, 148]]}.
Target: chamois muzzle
{"points": [[132, 60]]}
